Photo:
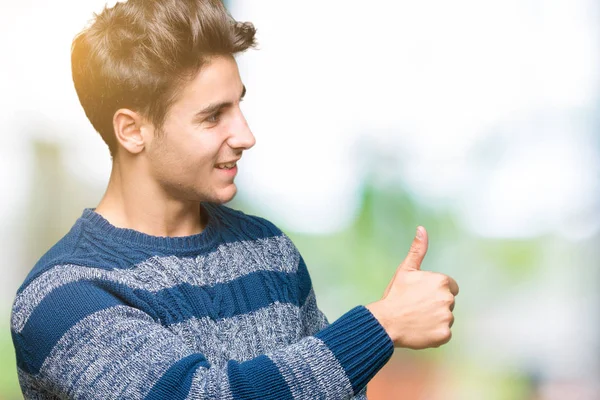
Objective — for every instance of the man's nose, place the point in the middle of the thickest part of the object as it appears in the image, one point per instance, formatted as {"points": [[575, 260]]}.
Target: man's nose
{"points": [[241, 136]]}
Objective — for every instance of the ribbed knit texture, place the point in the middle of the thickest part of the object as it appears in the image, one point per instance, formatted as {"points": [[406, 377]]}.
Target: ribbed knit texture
{"points": [[230, 313]]}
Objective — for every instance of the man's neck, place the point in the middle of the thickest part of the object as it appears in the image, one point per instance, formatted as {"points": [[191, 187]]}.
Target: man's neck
{"points": [[137, 205]]}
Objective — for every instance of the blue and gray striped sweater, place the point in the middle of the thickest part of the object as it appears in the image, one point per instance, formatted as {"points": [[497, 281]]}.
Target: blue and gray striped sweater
{"points": [[230, 313]]}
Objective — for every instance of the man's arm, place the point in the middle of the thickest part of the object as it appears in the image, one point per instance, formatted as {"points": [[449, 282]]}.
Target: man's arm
{"points": [[83, 341], [313, 319]]}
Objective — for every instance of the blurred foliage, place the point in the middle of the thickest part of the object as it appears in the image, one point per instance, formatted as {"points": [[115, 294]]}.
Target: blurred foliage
{"points": [[9, 384], [357, 263]]}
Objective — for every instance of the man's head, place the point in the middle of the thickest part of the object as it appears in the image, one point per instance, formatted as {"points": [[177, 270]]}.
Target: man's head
{"points": [[157, 79]]}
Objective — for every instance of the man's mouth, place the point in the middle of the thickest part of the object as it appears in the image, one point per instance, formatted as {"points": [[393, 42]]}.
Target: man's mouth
{"points": [[226, 165]]}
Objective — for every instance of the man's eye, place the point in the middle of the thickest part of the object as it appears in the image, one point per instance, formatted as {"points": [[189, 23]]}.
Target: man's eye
{"points": [[214, 118]]}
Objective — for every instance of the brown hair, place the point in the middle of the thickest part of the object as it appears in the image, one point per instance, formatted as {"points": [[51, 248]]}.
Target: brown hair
{"points": [[137, 54]]}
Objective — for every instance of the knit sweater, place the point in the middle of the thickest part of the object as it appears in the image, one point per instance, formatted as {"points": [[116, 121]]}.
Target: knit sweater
{"points": [[229, 313]]}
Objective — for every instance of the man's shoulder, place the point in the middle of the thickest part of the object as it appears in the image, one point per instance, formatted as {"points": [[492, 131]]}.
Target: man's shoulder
{"points": [[60, 253], [75, 248], [243, 226]]}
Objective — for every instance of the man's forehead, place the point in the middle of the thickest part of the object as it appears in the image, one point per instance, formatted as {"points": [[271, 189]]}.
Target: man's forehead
{"points": [[217, 80]]}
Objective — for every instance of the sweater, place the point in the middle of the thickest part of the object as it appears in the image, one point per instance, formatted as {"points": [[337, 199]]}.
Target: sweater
{"points": [[229, 313]]}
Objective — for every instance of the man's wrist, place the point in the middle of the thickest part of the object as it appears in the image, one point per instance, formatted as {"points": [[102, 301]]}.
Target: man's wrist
{"points": [[378, 311]]}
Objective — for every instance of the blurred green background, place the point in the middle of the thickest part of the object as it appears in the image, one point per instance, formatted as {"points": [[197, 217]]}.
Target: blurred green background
{"points": [[476, 120]]}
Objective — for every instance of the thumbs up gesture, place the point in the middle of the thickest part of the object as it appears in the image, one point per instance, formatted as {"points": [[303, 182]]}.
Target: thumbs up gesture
{"points": [[416, 307]]}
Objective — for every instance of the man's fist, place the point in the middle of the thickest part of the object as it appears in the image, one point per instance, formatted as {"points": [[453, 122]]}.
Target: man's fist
{"points": [[416, 308]]}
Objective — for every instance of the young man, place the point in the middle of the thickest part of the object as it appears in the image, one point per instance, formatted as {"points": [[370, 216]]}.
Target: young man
{"points": [[162, 292]]}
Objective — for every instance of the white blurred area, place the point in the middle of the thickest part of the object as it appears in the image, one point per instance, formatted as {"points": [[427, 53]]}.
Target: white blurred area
{"points": [[429, 83], [491, 109]]}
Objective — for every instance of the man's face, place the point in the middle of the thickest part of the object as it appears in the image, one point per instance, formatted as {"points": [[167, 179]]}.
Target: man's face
{"points": [[203, 130]]}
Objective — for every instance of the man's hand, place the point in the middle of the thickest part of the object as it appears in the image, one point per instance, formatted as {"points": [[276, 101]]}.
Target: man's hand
{"points": [[416, 308]]}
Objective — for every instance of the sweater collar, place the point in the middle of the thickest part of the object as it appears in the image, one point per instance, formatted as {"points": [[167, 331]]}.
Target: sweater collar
{"points": [[99, 227]]}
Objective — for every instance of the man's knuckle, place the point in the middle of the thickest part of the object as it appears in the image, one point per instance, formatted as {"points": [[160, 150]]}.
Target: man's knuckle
{"points": [[444, 280], [444, 334], [414, 250]]}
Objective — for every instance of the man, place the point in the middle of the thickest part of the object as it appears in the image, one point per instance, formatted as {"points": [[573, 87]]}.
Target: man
{"points": [[161, 291]]}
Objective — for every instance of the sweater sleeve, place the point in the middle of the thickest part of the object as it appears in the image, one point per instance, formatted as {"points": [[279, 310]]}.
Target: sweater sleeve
{"points": [[84, 340], [313, 319]]}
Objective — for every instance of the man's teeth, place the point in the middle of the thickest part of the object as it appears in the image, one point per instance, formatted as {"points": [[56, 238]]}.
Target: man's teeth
{"points": [[226, 166]]}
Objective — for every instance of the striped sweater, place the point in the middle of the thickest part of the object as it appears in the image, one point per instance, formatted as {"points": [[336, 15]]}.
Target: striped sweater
{"points": [[230, 313]]}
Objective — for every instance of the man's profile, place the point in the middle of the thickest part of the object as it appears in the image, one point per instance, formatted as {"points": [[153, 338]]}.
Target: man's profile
{"points": [[162, 291]]}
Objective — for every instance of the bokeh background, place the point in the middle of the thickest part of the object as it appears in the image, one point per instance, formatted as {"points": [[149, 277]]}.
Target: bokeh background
{"points": [[478, 119]]}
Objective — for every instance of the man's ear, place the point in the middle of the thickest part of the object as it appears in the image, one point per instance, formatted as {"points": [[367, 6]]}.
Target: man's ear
{"points": [[129, 126]]}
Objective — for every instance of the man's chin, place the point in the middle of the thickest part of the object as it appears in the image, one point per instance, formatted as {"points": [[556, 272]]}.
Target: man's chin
{"points": [[225, 195]]}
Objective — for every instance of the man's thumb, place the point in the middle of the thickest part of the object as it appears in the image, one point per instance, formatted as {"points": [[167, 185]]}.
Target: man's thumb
{"points": [[417, 251]]}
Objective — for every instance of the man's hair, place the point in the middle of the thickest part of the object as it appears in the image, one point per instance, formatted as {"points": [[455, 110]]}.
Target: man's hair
{"points": [[138, 54]]}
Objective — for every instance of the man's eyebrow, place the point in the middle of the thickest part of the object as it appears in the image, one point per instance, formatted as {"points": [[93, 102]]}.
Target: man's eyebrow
{"points": [[213, 108]]}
